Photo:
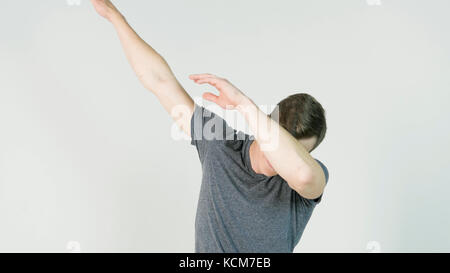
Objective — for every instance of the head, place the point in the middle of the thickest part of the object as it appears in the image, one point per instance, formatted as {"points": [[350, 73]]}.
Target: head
{"points": [[304, 118]]}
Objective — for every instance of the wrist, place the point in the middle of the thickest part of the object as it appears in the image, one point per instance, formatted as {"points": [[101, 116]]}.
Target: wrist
{"points": [[116, 17], [246, 106]]}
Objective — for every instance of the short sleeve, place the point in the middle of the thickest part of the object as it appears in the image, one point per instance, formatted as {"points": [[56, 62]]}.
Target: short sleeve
{"points": [[207, 128], [325, 171]]}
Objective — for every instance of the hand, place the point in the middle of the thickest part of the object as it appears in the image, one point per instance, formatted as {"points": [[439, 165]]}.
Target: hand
{"points": [[105, 8], [229, 96]]}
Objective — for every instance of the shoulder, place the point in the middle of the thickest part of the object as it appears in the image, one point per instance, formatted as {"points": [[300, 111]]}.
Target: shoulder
{"points": [[206, 125]]}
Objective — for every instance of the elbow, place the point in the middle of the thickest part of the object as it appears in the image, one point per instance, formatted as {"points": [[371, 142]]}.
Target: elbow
{"points": [[161, 78], [304, 179], [155, 76], [308, 184], [152, 81], [161, 74]]}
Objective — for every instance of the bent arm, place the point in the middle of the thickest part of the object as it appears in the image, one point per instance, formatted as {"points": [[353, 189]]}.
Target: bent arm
{"points": [[150, 67], [289, 158]]}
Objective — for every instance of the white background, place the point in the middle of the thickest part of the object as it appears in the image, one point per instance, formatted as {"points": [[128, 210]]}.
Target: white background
{"points": [[86, 152]]}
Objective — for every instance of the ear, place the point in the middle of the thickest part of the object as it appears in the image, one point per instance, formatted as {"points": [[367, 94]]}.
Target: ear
{"points": [[309, 143]]}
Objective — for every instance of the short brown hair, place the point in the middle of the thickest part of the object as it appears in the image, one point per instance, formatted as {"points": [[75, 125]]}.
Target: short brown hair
{"points": [[302, 116]]}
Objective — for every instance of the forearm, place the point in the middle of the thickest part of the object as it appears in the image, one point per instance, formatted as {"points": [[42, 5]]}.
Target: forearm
{"points": [[287, 155], [155, 74], [152, 70], [149, 66]]}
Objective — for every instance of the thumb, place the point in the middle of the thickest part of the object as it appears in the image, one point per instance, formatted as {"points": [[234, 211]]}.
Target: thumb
{"points": [[211, 97]]}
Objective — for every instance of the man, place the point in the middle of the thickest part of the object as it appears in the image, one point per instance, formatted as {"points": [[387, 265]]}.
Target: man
{"points": [[258, 192]]}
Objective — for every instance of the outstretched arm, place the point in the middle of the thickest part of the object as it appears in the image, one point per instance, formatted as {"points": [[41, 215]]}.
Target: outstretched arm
{"points": [[150, 67], [288, 156]]}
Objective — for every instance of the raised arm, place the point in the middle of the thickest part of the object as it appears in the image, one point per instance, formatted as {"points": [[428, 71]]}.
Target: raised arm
{"points": [[150, 67]]}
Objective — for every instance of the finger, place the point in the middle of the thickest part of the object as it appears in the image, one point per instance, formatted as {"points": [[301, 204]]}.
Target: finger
{"points": [[211, 97], [212, 81], [201, 76]]}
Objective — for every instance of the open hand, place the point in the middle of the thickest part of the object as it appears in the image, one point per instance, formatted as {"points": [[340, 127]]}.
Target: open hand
{"points": [[105, 8], [229, 96]]}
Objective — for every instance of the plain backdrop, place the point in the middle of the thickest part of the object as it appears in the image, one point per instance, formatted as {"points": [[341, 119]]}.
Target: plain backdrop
{"points": [[86, 153]]}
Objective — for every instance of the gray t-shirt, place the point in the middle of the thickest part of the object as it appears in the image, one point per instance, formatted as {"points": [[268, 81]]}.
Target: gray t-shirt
{"points": [[239, 210]]}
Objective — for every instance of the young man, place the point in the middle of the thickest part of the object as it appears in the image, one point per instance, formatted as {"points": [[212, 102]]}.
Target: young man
{"points": [[258, 192]]}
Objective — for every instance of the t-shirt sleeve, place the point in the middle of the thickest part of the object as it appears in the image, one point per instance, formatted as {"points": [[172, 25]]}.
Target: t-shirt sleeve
{"points": [[325, 171], [207, 128]]}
